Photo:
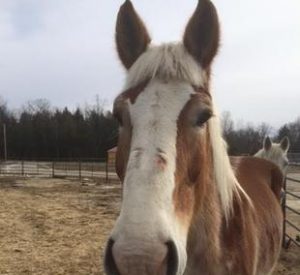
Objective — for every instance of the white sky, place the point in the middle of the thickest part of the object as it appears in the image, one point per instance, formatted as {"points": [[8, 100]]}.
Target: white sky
{"points": [[63, 50]]}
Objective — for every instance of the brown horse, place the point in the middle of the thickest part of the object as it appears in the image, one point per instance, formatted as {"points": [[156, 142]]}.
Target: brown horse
{"points": [[185, 208]]}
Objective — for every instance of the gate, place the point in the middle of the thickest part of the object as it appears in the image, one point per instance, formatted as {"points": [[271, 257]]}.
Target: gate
{"points": [[56, 168], [288, 224]]}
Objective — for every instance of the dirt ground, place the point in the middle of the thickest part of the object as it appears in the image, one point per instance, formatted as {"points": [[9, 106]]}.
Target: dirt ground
{"points": [[59, 226]]}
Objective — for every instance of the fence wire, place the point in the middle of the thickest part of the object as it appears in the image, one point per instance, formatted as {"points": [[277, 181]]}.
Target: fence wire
{"points": [[83, 168], [288, 224]]}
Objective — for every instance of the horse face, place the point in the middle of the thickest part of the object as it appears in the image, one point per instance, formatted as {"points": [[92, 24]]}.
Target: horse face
{"points": [[276, 152], [162, 142]]}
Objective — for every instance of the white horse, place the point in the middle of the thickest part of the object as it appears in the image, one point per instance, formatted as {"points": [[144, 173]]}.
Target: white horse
{"points": [[275, 152]]}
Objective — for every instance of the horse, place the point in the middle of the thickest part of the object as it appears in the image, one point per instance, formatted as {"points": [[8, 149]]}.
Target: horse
{"points": [[275, 152], [185, 208]]}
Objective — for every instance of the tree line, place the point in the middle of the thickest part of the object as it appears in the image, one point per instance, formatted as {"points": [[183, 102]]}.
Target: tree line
{"points": [[39, 131], [247, 139]]}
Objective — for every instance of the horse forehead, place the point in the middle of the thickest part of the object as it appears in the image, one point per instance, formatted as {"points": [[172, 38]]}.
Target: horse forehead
{"points": [[160, 100], [277, 150]]}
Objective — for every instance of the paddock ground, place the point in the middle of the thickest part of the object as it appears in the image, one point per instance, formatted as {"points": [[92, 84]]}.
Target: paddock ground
{"points": [[59, 226]]}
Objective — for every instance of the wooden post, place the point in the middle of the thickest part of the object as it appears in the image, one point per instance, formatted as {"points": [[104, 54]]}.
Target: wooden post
{"points": [[22, 169], [5, 143], [79, 166], [92, 169], [53, 171], [106, 170]]}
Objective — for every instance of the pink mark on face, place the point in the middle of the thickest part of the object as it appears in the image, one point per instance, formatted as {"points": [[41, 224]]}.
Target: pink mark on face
{"points": [[160, 160]]}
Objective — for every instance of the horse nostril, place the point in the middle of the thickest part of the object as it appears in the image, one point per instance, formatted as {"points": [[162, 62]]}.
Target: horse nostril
{"points": [[172, 258], [110, 266]]}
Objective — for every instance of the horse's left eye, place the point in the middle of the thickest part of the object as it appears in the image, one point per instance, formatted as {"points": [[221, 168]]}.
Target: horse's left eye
{"points": [[202, 117]]}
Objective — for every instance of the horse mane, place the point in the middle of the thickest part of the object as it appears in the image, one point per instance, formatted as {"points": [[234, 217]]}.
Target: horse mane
{"points": [[172, 62], [226, 181], [169, 61]]}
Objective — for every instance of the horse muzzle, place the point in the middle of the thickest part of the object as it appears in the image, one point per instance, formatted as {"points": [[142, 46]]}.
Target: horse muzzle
{"points": [[140, 258]]}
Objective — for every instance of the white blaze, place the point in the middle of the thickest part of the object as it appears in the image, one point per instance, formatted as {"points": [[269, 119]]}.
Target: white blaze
{"points": [[148, 212]]}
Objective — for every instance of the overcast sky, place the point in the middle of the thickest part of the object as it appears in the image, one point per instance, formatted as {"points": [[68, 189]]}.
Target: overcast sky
{"points": [[63, 50]]}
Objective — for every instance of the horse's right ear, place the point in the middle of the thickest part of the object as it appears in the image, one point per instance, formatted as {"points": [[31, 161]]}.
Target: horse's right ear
{"points": [[267, 143], [285, 143], [132, 38]]}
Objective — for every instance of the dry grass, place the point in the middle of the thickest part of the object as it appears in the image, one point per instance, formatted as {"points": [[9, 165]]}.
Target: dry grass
{"points": [[55, 226]]}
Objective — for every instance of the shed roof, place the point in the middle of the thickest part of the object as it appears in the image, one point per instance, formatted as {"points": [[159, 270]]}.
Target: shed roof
{"points": [[112, 150]]}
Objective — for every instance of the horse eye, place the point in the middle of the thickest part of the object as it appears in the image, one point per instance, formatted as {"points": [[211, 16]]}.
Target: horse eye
{"points": [[202, 117]]}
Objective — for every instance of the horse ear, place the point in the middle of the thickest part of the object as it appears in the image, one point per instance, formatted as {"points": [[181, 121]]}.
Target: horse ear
{"points": [[132, 38], [267, 143], [202, 34], [285, 143]]}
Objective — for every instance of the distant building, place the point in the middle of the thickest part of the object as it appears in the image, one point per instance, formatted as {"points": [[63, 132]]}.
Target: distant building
{"points": [[111, 156]]}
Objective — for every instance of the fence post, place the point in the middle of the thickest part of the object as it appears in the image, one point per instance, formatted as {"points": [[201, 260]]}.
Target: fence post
{"points": [[53, 171], [79, 167], [22, 169], [106, 171], [92, 169]]}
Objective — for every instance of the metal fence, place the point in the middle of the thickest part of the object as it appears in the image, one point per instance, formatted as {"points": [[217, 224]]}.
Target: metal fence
{"points": [[289, 225], [294, 158], [102, 169], [83, 168]]}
